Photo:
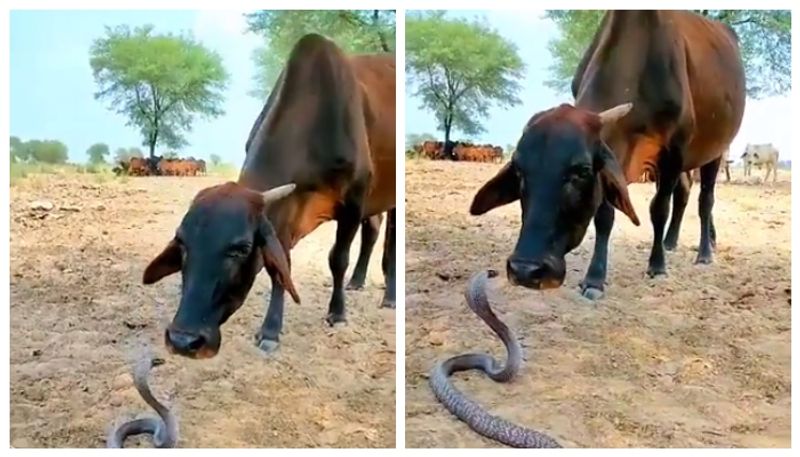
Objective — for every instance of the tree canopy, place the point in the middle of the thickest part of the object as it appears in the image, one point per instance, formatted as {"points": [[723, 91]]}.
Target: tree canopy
{"points": [[459, 68], [765, 39], [46, 151], [15, 149], [97, 153], [159, 82], [413, 139], [125, 154], [355, 31], [215, 159]]}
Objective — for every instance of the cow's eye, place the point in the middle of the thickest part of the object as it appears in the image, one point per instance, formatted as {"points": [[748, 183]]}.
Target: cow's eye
{"points": [[239, 250], [578, 173]]}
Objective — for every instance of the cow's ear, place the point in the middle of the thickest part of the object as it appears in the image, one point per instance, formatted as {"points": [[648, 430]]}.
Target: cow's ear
{"points": [[501, 190], [615, 187], [276, 261], [165, 264]]}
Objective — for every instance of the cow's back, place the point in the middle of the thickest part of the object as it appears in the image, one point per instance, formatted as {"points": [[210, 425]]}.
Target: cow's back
{"points": [[376, 76], [716, 81]]}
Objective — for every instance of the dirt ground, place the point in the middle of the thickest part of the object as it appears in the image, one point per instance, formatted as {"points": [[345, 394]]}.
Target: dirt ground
{"points": [[700, 358], [79, 315]]}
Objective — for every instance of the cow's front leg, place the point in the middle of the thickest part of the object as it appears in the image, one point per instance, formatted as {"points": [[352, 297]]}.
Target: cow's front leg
{"points": [[347, 221], [389, 260], [594, 283], [268, 336]]}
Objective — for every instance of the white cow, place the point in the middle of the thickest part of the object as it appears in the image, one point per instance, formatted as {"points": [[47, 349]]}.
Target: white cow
{"points": [[758, 155]]}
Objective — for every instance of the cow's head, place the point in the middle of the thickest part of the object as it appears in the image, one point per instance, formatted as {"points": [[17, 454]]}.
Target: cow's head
{"points": [[221, 244], [560, 171]]}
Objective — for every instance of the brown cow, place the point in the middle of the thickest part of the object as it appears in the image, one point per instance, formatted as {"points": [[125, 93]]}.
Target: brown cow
{"points": [[138, 167], [325, 137], [676, 82], [165, 167]]}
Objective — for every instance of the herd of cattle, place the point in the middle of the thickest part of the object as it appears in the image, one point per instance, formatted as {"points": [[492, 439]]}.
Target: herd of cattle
{"points": [[461, 151], [758, 155], [159, 166]]}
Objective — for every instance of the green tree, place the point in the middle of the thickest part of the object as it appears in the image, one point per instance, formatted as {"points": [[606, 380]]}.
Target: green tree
{"points": [[459, 68], [170, 155], [125, 154], [45, 151], [765, 39], [356, 31], [215, 159], [16, 150], [413, 139], [97, 153], [160, 82]]}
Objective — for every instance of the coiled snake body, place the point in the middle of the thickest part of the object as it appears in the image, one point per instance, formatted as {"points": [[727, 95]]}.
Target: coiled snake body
{"points": [[469, 411], [163, 429]]}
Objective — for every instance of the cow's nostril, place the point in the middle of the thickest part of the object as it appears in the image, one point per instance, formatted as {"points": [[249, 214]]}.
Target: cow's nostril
{"points": [[186, 342], [537, 271], [196, 343]]}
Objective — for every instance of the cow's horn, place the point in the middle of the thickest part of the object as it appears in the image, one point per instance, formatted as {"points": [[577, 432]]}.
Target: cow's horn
{"points": [[278, 193], [613, 114]]}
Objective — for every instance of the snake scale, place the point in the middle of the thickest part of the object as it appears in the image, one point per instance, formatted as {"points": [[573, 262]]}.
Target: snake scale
{"points": [[469, 411]]}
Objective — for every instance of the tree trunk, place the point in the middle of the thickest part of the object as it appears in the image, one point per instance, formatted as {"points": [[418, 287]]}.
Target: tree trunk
{"points": [[151, 143], [381, 37], [448, 151]]}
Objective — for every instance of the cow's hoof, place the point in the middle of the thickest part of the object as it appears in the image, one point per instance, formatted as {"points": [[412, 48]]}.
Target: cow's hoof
{"points": [[268, 346], [670, 245], [387, 303], [704, 260], [592, 293], [655, 272], [334, 318], [355, 286]]}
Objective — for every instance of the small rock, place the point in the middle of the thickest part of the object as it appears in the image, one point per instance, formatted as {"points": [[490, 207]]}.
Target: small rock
{"points": [[443, 276], [116, 399], [99, 207], [71, 208], [435, 339], [134, 325], [122, 381], [37, 352], [41, 205]]}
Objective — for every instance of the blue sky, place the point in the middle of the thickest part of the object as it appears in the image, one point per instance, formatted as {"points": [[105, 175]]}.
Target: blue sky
{"points": [[52, 85], [766, 120]]}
